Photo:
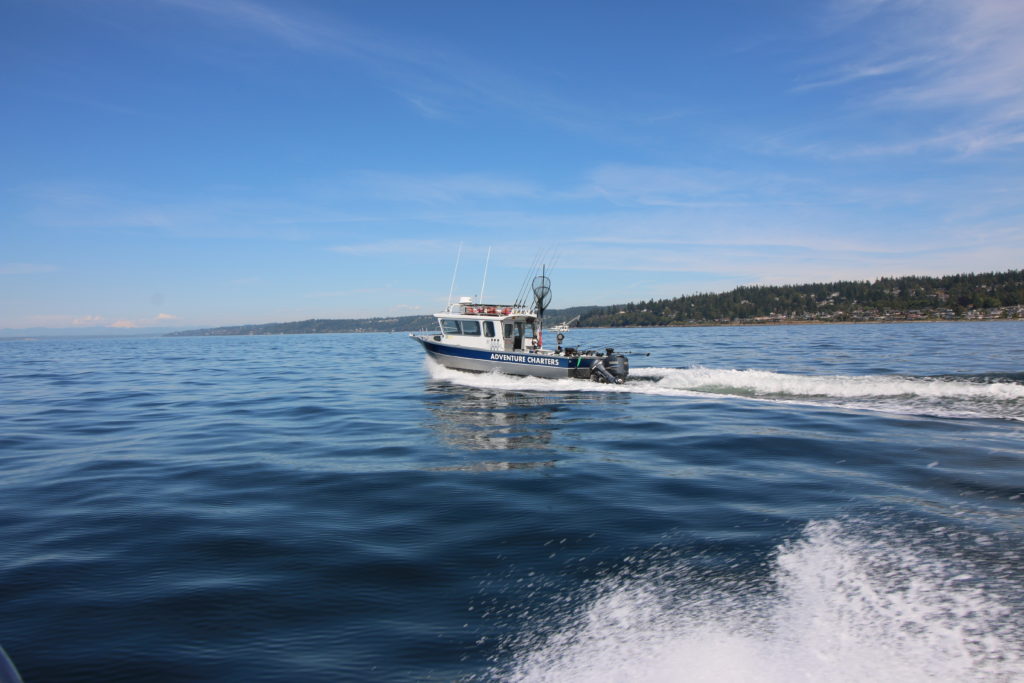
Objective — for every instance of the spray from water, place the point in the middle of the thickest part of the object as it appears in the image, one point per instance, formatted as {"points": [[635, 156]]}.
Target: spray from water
{"points": [[971, 397], [841, 604]]}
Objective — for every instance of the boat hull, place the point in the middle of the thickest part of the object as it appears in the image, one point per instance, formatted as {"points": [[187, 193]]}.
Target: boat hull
{"points": [[507, 362]]}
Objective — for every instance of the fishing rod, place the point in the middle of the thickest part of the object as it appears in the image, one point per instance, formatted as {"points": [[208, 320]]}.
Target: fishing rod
{"points": [[544, 262], [523, 288]]}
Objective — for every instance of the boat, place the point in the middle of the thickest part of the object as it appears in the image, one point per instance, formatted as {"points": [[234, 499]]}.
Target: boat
{"points": [[475, 336], [562, 328]]}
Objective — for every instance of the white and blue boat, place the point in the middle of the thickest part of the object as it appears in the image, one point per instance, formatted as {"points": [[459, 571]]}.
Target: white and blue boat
{"points": [[507, 338]]}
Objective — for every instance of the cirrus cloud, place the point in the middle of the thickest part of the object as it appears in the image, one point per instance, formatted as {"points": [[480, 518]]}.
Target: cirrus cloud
{"points": [[26, 268]]}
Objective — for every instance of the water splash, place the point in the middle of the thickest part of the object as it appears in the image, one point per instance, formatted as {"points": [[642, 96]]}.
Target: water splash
{"points": [[763, 383], [840, 605], [981, 396]]}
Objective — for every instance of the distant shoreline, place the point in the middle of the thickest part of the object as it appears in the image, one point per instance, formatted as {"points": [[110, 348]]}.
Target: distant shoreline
{"points": [[779, 323], [765, 323], [774, 323]]}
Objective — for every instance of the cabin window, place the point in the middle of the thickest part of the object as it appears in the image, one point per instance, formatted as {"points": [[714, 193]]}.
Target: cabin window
{"points": [[488, 328], [468, 327], [530, 334], [508, 330]]}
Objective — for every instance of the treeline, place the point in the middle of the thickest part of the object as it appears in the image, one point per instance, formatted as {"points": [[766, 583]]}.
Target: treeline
{"points": [[966, 296], [953, 297]]}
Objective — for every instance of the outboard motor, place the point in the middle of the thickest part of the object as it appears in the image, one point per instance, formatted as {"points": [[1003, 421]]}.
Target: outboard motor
{"points": [[617, 364], [613, 368]]}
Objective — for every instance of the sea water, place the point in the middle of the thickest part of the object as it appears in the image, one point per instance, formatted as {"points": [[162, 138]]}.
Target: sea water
{"points": [[820, 503]]}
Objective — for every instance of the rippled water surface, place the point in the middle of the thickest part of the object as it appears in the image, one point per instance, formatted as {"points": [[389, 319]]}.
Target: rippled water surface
{"points": [[757, 504]]}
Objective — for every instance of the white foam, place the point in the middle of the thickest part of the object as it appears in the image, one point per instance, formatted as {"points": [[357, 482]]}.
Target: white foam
{"points": [[763, 383], [497, 380], [839, 608], [946, 397]]}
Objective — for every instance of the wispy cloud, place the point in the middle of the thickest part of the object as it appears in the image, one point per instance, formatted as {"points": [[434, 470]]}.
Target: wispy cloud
{"points": [[444, 188], [683, 209], [961, 61], [291, 214], [122, 323], [433, 78], [364, 292], [26, 268], [768, 264], [978, 59], [394, 246], [650, 185], [857, 72], [291, 29]]}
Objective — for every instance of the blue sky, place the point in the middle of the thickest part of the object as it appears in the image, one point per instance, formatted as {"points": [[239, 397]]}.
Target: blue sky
{"points": [[193, 163]]}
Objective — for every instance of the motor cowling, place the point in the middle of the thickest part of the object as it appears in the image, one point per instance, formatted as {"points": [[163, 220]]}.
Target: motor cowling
{"points": [[613, 368], [617, 365]]}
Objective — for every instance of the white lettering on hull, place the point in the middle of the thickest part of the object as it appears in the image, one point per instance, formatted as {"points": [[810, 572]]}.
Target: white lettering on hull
{"points": [[531, 360]]}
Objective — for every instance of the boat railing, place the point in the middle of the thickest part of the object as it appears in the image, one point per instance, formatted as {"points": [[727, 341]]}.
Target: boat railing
{"points": [[489, 309]]}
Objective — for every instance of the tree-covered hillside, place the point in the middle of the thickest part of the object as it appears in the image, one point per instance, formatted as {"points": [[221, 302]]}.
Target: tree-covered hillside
{"points": [[953, 297], [968, 296]]}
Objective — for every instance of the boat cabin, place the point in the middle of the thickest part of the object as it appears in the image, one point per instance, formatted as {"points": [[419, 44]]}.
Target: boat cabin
{"points": [[489, 327]]}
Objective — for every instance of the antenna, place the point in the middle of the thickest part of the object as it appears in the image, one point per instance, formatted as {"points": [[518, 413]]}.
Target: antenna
{"points": [[452, 289], [482, 284]]}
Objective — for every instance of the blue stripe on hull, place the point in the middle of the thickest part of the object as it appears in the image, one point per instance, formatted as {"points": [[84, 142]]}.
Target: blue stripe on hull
{"points": [[511, 363]]}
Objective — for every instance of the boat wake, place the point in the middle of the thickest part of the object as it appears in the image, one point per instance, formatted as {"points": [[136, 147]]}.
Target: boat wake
{"points": [[841, 604], [974, 396]]}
